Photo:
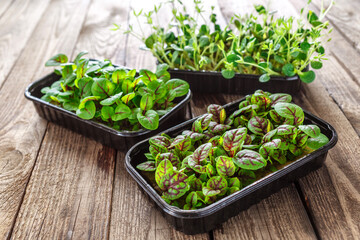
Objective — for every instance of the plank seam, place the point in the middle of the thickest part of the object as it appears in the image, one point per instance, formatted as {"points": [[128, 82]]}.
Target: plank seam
{"points": [[112, 195], [307, 209], [347, 70], [26, 185]]}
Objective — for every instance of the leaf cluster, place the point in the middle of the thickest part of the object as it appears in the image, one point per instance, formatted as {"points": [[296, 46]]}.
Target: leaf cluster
{"points": [[120, 98], [222, 154], [257, 43]]}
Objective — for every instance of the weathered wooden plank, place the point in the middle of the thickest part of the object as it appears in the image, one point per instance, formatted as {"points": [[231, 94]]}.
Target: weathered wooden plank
{"points": [[21, 130], [333, 193], [88, 196], [69, 193], [17, 20]]}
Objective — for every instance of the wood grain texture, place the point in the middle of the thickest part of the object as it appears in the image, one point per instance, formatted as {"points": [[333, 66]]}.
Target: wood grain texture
{"points": [[335, 194], [69, 193], [21, 129], [18, 19]]}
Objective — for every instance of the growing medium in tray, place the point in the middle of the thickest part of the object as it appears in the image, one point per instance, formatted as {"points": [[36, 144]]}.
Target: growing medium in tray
{"points": [[120, 98], [222, 154]]}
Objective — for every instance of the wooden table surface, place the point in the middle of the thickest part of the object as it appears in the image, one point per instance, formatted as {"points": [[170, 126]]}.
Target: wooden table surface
{"points": [[56, 184]]}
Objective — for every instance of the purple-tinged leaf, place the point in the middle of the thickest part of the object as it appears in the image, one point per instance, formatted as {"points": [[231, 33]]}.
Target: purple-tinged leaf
{"points": [[210, 170], [202, 152], [311, 130], [191, 198], [264, 152], [215, 141], [218, 112], [147, 166], [162, 169], [225, 166], [290, 111], [268, 136], [195, 165], [175, 161], [242, 111], [195, 184], [208, 192], [234, 138], [234, 182], [301, 139], [279, 156], [155, 150], [217, 128], [160, 141], [275, 116], [318, 142], [294, 121], [244, 104], [295, 150], [285, 129], [250, 160], [280, 97], [204, 121], [258, 125], [246, 177], [217, 183], [273, 144], [194, 136], [261, 100], [174, 185], [182, 143]]}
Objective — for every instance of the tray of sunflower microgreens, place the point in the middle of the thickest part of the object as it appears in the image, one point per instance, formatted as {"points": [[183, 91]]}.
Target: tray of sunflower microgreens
{"points": [[114, 105], [208, 169]]}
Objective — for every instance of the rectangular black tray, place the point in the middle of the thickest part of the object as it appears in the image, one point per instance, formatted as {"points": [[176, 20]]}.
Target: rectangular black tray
{"points": [[214, 82], [208, 218], [98, 131]]}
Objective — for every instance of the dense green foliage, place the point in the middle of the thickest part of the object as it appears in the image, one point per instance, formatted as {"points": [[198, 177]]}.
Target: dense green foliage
{"points": [[113, 95], [252, 44], [220, 155]]}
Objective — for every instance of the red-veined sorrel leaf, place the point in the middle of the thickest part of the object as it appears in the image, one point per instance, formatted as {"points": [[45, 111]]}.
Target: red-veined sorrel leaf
{"points": [[84, 85], [175, 161], [280, 97], [202, 123], [155, 150], [121, 112], [127, 98], [127, 86], [295, 150], [81, 68], [107, 112], [234, 138], [264, 152], [163, 168], [208, 192], [242, 111], [158, 88], [278, 155], [258, 125], [218, 112], [161, 141], [87, 99], [118, 75], [294, 121], [56, 60], [234, 182], [195, 183], [174, 185], [111, 100], [301, 139], [261, 100], [182, 143], [247, 177], [194, 136], [146, 102], [195, 165], [88, 111], [102, 88], [273, 144], [311, 130], [267, 137], [217, 128], [217, 183], [210, 170], [285, 129], [202, 152], [276, 117], [225, 166], [289, 110], [150, 120], [147, 166], [180, 87], [318, 142], [192, 198], [250, 160]]}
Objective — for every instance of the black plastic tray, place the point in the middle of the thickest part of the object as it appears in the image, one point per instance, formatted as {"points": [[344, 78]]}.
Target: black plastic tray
{"points": [[208, 218], [98, 131], [214, 82]]}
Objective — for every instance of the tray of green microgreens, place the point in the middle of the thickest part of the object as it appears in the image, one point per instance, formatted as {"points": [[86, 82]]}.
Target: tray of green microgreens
{"points": [[109, 103], [258, 50], [206, 170]]}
